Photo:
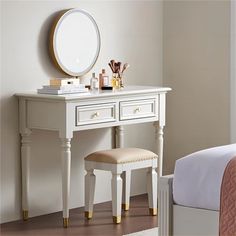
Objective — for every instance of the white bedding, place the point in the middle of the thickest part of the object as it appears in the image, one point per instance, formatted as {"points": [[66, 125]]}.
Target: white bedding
{"points": [[198, 176]]}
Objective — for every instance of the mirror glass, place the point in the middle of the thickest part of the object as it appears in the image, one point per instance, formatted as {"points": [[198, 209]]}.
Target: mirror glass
{"points": [[75, 42]]}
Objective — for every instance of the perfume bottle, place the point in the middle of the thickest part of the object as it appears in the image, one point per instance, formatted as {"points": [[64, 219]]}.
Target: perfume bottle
{"points": [[94, 83], [104, 79]]}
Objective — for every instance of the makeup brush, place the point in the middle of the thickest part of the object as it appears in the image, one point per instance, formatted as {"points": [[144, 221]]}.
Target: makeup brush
{"points": [[117, 67], [113, 64], [125, 66], [112, 69]]}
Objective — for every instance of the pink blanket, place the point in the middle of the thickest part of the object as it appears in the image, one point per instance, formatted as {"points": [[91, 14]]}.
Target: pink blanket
{"points": [[228, 201]]}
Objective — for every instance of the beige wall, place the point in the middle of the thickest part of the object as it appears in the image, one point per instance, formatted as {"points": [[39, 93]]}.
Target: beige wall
{"points": [[131, 31], [196, 44], [233, 72]]}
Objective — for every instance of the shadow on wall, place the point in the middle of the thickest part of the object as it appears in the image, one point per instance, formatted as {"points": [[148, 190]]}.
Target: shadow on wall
{"points": [[10, 148]]}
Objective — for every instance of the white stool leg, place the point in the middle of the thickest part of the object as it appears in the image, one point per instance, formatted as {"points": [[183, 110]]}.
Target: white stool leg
{"points": [[126, 178], [116, 186], [90, 180], [152, 190]]}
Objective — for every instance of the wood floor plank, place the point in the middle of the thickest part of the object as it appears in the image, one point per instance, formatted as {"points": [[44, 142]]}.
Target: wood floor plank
{"points": [[136, 219]]}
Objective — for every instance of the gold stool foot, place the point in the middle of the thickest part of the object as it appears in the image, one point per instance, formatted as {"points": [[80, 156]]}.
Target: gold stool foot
{"points": [[116, 219], [153, 211], [25, 215], [88, 214], [65, 222], [125, 206]]}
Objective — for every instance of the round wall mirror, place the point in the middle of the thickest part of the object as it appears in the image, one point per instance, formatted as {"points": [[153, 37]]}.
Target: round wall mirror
{"points": [[75, 42]]}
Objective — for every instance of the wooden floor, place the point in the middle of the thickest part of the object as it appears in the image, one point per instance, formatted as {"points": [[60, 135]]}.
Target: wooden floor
{"points": [[136, 219]]}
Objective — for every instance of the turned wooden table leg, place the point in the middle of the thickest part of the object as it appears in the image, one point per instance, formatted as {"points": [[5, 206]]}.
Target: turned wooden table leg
{"points": [[119, 136], [126, 175], [159, 143], [66, 165], [25, 162]]}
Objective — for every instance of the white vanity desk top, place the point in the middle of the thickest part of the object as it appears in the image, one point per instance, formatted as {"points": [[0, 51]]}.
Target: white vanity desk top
{"points": [[102, 93]]}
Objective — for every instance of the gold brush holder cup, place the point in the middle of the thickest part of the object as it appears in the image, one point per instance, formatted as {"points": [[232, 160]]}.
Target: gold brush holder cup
{"points": [[117, 82]]}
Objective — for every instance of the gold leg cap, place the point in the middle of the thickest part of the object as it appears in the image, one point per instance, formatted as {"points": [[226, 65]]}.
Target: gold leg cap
{"points": [[25, 215], [65, 222], [153, 211], [88, 214], [125, 206], [116, 219]]}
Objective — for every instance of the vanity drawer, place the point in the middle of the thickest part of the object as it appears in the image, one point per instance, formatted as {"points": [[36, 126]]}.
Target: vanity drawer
{"points": [[137, 109], [95, 114]]}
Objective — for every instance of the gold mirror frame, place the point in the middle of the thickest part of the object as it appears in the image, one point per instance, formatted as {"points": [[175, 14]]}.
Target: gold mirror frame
{"points": [[52, 42]]}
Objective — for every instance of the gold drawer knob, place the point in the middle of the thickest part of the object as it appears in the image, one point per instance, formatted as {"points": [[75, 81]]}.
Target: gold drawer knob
{"points": [[138, 109], [96, 114]]}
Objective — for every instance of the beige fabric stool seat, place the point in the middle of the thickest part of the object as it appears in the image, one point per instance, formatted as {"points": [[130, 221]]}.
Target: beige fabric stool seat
{"points": [[121, 155], [120, 162]]}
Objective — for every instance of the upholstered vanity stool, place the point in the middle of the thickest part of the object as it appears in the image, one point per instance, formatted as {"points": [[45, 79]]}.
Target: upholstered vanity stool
{"points": [[117, 161]]}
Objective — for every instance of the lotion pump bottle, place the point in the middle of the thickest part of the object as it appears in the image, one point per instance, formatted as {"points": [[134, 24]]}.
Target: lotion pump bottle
{"points": [[94, 83]]}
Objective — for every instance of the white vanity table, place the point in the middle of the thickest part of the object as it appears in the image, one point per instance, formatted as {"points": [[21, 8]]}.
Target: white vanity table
{"points": [[75, 53], [75, 112]]}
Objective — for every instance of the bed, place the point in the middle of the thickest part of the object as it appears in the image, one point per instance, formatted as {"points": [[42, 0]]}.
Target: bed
{"points": [[198, 197]]}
